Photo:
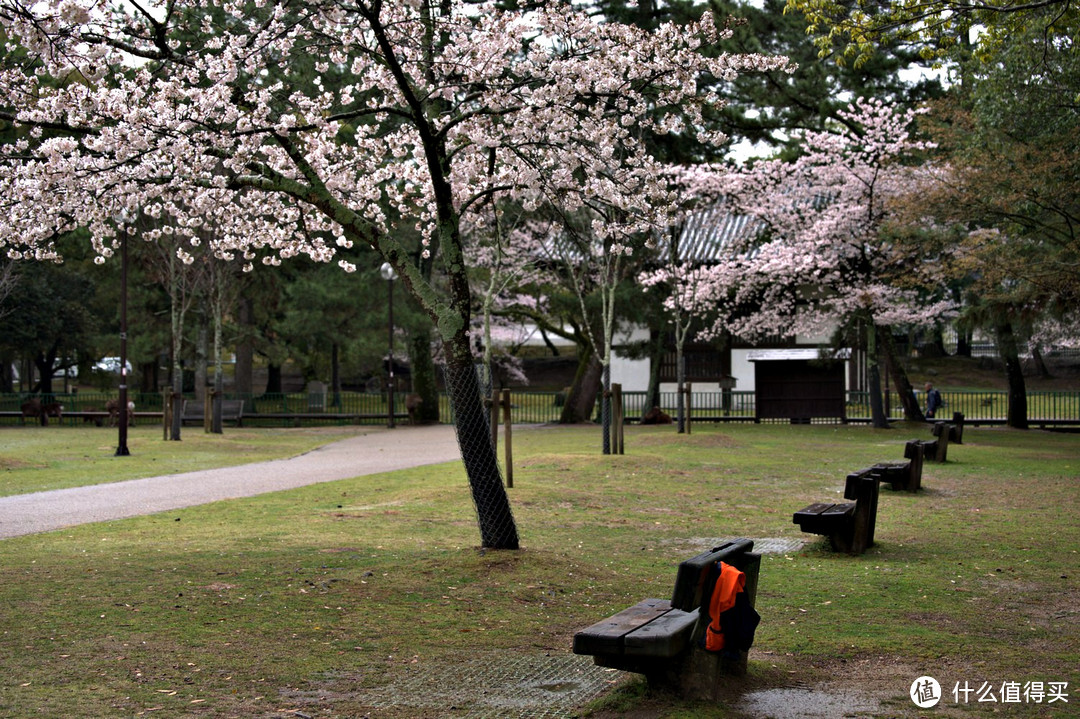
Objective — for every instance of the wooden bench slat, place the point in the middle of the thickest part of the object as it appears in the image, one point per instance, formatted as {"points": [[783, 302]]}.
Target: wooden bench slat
{"points": [[825, 518], [815, 509], [606, 636], [665, 636], [901, 474]]}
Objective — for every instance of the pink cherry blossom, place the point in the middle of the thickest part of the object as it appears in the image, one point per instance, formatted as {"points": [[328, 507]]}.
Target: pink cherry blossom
{"points": [[289, 126], [821, 255]]}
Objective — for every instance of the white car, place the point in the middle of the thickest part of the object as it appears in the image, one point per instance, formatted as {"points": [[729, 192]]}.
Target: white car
{"points": [[111, 364]]}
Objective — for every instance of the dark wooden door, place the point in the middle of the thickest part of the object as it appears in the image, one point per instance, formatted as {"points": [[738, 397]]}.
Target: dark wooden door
{"points": [[799, 390]]}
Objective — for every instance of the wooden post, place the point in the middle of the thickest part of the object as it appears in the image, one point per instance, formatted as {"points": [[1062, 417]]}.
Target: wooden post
{"points": [[208, 411], [509, 469], [616, 395], [689, 388], [166, 413], [622, 423], [617, 415]]}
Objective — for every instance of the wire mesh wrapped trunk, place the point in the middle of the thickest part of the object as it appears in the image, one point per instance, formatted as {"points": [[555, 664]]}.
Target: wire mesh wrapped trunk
{"points": [[497, 527]]}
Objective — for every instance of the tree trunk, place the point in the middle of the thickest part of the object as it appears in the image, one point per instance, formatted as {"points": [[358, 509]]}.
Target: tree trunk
{"points": [[178, 402], [912, 410], [148, 377], [44, 365], [202, 353], [605, 410], [680, 384], [7, 377], [219, 370], [1040, 364], [725, 369], [656, 358], [548, 343], [424, 380], [581, 399], [963, 334], [335, 374], [273, 379], [873, 371], [497, 527], [963, 343], [1014, 373], [176, 313], [243, 377]]}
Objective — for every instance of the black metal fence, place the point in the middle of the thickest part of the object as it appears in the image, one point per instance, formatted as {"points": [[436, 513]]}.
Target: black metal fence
{"points": [[304, 409]]}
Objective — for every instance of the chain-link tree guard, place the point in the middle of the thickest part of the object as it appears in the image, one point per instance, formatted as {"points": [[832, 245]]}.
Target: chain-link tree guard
{"points": [[497, 527]]}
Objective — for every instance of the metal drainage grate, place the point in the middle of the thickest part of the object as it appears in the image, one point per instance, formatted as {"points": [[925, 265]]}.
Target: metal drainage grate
{"points": [[764, 545], [778, 545], [499, 686]]}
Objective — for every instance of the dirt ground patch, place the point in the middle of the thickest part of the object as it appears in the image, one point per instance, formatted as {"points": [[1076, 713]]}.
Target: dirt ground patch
{"points": [[8, 463], [703, 441]]}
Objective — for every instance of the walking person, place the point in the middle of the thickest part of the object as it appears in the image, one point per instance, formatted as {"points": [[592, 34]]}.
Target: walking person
{"points": [[933, 401]]}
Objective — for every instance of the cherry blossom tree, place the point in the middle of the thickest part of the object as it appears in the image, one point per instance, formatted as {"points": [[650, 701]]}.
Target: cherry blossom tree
{"points": [[824, 258], [304, 126], [553, 254], [593, 265], [680, 279], [503, 254]]}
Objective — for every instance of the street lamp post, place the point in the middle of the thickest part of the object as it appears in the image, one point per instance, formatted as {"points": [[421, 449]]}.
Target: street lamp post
{"points": [[122, 448], [388, 274]]}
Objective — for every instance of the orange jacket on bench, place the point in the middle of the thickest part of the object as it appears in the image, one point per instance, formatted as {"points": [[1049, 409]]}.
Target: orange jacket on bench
{"points": [[739, 624]]}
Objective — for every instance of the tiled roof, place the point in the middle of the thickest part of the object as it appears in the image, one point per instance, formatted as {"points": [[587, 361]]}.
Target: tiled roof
{"points": [[708, 235]]}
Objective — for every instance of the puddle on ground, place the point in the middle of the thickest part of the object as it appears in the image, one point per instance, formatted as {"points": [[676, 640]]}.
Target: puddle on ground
{"points": [[805, 704]]}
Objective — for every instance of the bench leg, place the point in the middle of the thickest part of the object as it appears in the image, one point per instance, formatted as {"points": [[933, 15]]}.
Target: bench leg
{"points": [[841, 541], [865, 519], [696, 675], [942, 449]]}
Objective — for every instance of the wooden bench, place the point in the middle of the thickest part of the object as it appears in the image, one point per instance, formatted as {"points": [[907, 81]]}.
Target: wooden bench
{"points": [[904, 474], [956, 431], [898, 475], [232, 410], [663, 639], [937, 450], [848, 525]]}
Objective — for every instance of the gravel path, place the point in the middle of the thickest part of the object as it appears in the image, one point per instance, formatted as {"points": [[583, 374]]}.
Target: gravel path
{"points": [[379, 450]]}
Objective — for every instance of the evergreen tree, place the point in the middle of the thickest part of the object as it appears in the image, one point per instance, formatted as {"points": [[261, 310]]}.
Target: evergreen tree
{"points": [[774, 108]]}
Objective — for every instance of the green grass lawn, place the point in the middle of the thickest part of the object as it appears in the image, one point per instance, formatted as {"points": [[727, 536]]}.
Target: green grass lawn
{"points": [[310, 602], [36, 459]]}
